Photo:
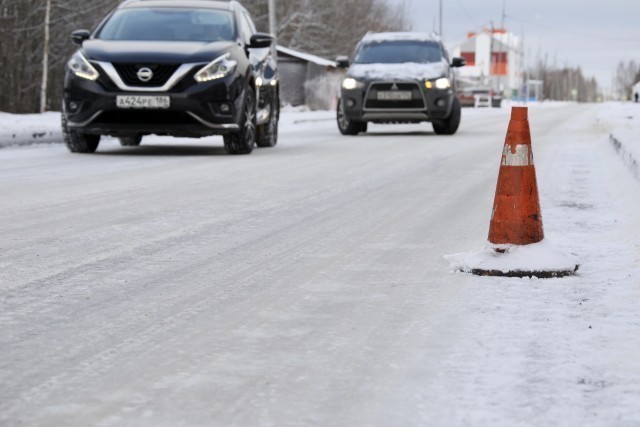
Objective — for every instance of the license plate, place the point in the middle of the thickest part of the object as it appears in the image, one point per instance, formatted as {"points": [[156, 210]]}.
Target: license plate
{"points": [[137, 101], [395, 95]]}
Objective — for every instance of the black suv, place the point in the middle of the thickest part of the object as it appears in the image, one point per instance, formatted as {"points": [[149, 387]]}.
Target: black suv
{"points": [[399, 78], [188, 68]]}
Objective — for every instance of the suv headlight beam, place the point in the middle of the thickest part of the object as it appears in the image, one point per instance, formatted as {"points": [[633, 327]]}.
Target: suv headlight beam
{"points": [[79, 66], [216, 69], [350, 83], [442, 83]]}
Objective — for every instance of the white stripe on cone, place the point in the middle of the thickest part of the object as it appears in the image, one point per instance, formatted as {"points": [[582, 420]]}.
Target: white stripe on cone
{"points": [[522, 156]]}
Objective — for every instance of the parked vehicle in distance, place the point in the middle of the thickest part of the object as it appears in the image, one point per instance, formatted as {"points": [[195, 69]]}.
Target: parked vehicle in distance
{"points": [[169, 67], [470, 96], [399, 78]]}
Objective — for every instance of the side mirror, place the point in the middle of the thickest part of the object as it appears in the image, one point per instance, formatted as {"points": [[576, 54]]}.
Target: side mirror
{"points": [[80, 36], [458, 62], [342, 61], [261, 40]]}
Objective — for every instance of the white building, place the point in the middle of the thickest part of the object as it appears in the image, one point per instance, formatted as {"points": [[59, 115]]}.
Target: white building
{"points": [[494, 58]]}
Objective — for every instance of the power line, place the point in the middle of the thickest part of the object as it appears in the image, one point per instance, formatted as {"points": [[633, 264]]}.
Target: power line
{"points": [[573, 33], [464, 10]]}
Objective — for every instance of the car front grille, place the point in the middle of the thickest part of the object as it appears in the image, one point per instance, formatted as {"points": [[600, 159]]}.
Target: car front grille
{"points": [[161, 73], [372, 102]]}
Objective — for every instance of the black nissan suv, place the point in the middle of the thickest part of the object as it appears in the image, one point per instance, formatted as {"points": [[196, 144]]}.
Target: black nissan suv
{"points": [[188, 68], [399, 78]]}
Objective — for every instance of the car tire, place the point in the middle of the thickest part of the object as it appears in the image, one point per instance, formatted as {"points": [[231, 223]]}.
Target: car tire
{"points": [[346, 125], [450, 125], [242, 142], [78, 142], [267, 134], [130, 141]]}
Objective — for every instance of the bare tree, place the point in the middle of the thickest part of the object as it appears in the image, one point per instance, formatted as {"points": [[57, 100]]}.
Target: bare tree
{"points": [[564, 84], [33, 63], [328, 27], [627, 74]]}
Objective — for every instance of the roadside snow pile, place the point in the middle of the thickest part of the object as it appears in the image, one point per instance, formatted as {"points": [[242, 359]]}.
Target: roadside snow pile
{"points": [[541, 259], [623, 120], [23, 129]]}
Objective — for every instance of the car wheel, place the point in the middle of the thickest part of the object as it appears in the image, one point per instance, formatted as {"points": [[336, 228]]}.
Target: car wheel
{"points": [[242, 142], [130, 141], [267, 135], [346, 125], [450, 125], [78, 142]]}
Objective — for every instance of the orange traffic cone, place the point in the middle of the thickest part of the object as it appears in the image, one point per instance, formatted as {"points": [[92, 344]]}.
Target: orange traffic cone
{"points": [[518, 247], [516, 217]]}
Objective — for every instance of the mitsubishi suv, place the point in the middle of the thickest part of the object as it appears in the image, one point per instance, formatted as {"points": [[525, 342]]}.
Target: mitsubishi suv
{"points": [[168, 67], [399, 78]]}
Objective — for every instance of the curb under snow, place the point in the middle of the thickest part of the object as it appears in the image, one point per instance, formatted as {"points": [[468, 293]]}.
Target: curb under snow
{"points": [[628, 156]]}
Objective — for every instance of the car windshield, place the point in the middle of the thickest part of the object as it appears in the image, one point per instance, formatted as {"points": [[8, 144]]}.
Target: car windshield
{"points": [[169, 24], [398, 52]]}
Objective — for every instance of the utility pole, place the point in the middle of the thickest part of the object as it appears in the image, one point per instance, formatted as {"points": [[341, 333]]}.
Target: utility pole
{"points": [[440, 19], [273, 27], [504, 13], [45, 58], [491, 55]]}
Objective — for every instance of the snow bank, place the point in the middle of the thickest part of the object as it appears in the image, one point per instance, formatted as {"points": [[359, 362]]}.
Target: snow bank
{"points": [[23, 129]]}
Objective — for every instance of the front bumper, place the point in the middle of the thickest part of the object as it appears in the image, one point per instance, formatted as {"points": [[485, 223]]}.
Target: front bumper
{"points": [[425, 105], [195, 110]]}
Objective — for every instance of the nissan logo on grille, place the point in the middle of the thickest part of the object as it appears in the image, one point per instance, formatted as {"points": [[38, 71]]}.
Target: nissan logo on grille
{"points": [[145, 74]]}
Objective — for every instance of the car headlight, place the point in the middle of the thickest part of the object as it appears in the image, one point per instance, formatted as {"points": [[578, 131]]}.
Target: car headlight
{"points": [[216, 69], [443, 83], [260, 82], [351, 83], [79, 66]]}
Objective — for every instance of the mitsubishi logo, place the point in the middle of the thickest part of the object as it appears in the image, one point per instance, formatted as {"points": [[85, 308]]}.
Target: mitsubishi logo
{"points": [[145, 74], [394, 87]]}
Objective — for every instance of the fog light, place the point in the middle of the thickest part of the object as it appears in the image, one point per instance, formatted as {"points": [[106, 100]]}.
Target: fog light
{"points": [[441, 102], [225, 108], [73, 106], [351, 103]]}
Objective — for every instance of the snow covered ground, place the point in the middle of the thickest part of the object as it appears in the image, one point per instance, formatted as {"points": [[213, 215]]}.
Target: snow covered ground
{"points": [[312, 288], [623, 119]]}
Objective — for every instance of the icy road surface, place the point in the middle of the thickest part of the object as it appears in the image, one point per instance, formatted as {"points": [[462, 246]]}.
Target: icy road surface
{"points": [[306, 285]]}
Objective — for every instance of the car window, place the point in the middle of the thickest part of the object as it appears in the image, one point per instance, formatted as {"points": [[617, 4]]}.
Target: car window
{"points": [[398, 52], [169, 24]]}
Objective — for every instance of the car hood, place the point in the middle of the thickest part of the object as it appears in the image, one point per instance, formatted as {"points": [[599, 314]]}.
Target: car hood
{"points": [[153, 51], [396, 72]]}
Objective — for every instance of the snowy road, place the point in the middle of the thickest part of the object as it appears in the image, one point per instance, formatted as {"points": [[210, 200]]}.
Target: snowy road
{"points": [[306, 285]]}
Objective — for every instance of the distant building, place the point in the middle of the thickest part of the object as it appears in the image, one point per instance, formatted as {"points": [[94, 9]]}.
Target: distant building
{"points": [[297, 69], [494, 58]]}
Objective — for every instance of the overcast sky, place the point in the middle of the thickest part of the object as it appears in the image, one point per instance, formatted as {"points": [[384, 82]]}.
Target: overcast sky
{"points": [[594, 34]]}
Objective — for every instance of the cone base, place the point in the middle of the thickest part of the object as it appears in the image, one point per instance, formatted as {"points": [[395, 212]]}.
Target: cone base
{"points": [[542, 260], [521, 274]]}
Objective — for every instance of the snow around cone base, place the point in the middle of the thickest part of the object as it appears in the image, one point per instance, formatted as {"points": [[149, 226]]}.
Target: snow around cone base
{"points": [[517, 247]]}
